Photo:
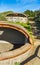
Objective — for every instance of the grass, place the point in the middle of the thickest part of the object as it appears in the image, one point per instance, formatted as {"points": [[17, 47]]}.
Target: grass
{"points": [[3, 15], [2, 18], [17, 63], [25, 25]]}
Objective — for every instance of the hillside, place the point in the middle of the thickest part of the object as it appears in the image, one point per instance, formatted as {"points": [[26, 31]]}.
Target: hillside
{"points": [[3, 15], [7, 12]]}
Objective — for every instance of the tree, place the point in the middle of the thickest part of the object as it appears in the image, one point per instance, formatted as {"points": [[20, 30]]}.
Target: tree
{"points": [[30, 13], [37, 16], [37, 19]]}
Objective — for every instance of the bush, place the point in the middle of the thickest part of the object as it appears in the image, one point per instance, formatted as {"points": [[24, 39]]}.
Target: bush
{"points": [[37, 18], [25, 25]]}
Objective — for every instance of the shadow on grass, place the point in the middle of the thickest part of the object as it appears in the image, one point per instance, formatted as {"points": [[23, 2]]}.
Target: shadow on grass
{"points": [[31, 57]]}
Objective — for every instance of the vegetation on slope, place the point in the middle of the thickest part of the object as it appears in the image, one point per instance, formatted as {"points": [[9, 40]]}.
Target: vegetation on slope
{"points": [[37, 20], [3, 15], [37, 17], [31, 14], [6, 13], [17, 63], [2, 18], [25, 25]]}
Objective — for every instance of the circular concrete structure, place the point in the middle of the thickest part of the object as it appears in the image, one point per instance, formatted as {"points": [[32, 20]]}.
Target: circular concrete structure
{"points": [[19, 37]]}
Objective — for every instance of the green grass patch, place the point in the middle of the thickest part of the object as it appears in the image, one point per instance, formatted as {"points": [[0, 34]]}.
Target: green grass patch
{"points": [[2, 18], [17, 63], [27, 25]]}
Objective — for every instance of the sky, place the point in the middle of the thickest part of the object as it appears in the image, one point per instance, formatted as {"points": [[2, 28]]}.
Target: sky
{"points": [[19, 5]]}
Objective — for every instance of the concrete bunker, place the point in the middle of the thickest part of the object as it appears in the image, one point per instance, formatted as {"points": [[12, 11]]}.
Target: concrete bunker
{"points": [[18, 37]]}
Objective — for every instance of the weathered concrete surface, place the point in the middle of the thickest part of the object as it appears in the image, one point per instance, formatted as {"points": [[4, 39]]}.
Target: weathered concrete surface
{"points": [[18, 55], [5, 46], [34, 60], [19, 58]]}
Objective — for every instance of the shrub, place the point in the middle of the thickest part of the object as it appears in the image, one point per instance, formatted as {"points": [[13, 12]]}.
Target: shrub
{"points": [[37, 18], [25, 25]]}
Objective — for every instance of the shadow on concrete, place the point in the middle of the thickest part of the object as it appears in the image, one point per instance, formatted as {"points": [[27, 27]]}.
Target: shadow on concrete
{"points": [[13, 36], [31, 57]]}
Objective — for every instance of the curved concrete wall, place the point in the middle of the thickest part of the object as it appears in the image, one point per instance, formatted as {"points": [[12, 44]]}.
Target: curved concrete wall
{"points": [[13, 36], [19, 54]]}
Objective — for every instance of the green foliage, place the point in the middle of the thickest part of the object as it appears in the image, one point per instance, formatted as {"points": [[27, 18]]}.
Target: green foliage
{"points": [[29, 13], [6, 13], [37, 18], [17, 63], [3, 15], [2, 18], [25, 25]]}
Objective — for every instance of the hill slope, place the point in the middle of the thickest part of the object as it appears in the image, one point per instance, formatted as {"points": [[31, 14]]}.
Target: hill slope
{"points": [[3, 15]]}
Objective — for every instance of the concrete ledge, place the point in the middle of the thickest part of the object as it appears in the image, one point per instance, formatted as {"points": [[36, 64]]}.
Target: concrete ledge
{"points": [[18, 52]]}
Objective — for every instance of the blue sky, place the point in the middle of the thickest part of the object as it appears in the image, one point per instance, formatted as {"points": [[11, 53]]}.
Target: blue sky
{"points": [[19, 5]]}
